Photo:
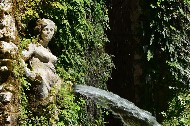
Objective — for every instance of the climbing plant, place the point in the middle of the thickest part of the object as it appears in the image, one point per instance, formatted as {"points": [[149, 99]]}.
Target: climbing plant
{"points": [[166, 42], [78, 44]]}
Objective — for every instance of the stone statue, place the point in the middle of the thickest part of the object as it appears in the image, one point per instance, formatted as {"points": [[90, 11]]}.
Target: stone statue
{"points": [[40, 69], [46, 29], [38, 63]]}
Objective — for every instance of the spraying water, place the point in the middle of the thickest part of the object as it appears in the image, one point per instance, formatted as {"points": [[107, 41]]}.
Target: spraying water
{"points": [[130, 114]]}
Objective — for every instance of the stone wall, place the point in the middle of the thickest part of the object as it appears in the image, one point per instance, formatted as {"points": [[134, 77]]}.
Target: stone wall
{"points": [[9, 88]]}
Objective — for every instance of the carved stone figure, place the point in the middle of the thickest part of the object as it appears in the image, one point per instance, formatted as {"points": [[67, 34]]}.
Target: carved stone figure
{"points": [[38, 63], [48, 77], [40, 69], [41, 61], [46, 28], [38, 51]]}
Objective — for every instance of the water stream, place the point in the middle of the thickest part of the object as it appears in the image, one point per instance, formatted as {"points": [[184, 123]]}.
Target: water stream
{"points": [[130, 114]]}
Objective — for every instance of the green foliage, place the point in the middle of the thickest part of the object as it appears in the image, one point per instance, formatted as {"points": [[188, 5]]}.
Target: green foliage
{"points": [[178, 113], [166, 33], [70, 111], [79, 45]]}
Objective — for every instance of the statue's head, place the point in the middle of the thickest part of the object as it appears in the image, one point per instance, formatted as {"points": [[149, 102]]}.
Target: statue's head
{"points": [[46, 29]]}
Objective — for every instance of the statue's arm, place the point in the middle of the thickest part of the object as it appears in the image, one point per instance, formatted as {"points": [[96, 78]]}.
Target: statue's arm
{"points": [[29, 52], [44, 55], [38, 51]]}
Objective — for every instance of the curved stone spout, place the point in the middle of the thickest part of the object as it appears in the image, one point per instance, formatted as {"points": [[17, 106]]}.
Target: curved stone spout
{"points": [[130, 114]]}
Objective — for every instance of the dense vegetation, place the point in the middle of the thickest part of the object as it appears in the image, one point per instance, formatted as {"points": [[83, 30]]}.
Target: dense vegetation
{"points": [[166, 33], [79, 45]]}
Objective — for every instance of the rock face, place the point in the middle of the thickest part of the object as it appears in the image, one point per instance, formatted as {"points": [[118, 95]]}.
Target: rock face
{"points": [[5, 97], [9, 86], [130, 114]]}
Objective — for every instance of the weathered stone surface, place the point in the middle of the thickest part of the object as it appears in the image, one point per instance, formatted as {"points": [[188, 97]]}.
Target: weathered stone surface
{"points": [[6, 47], [9, 29], [6, 5], [8, 50], [5, 96], [8, 120]]}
